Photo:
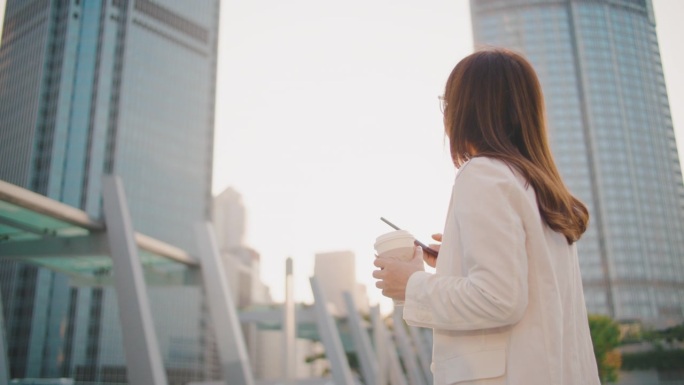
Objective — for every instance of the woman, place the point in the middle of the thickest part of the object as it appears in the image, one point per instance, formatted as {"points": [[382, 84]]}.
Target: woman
{"points": [[505, 302]]}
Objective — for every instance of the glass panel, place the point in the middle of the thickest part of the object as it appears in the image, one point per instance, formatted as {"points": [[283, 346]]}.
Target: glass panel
{"points": [[29, 219]]}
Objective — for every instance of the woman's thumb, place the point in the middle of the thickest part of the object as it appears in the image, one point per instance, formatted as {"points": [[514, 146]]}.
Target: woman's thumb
{"points": [[418, 253]]}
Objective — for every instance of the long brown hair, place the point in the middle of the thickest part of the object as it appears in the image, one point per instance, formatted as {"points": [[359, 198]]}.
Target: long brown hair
{"points": [[494, 105]]}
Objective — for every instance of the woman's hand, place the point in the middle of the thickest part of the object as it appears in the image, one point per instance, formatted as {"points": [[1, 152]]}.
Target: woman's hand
{"points": [[429, 259], [394, 274]]}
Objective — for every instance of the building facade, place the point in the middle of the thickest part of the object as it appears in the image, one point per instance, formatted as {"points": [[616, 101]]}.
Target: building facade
{"points": [[336, 272], [612, 136], [242, 263], [112, 87], [87, 89]]}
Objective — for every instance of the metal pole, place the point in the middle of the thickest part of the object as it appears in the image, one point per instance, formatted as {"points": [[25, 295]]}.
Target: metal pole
{"points": [[330, 336], [407, 352], [380, 341], [289, 326], [390, 367], [143, 359], [368, 361], [423, 350], [229, 337]]}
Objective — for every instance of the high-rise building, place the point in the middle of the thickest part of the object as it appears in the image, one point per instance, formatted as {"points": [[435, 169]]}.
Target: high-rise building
{"points": [[112, 87], [242, 263], [268, 358], [90, 88], [336, 272], [612, 137]]}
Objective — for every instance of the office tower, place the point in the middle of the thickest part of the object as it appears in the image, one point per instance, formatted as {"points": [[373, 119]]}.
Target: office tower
{"points": [[612, 137], [229, 217], [242, 263], [125, 87], [89, 88], [268, 357], [336, 273]]}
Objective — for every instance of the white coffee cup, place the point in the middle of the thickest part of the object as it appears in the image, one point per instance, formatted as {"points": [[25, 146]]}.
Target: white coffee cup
{"points": [[398, 244]]}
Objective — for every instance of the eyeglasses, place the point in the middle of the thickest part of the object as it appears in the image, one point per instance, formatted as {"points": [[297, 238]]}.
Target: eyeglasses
{"points": [[442, 103]]}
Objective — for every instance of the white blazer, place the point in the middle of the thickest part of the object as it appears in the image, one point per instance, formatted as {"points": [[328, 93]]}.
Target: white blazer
{"points": [[505, 303]]}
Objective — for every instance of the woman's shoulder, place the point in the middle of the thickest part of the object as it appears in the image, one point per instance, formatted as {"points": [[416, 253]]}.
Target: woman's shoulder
{"points": [[487, 170], [490, 181]]}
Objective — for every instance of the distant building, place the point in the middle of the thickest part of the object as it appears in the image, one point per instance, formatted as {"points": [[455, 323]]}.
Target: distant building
{"points": [[267, 359], [242, 263], [230, 219], [336, 273], [613, 139]]}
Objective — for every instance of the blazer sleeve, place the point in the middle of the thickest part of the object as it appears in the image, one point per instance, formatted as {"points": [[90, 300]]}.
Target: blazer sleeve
{"points": [[492, 291]]}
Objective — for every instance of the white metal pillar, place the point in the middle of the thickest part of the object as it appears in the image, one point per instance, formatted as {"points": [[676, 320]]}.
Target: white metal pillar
{"points": [[330, 336], [289, 327], [367, 359], [424, 351], [380, 341], [408, 353], [144, 364], [387, 353], [229, 337]]}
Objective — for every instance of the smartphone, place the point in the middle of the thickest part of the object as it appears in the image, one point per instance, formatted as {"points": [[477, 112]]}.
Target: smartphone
{"points": [[425, 247]]}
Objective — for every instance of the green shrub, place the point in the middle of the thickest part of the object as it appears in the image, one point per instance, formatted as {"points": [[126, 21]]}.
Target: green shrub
{"points": [[605, 335]]}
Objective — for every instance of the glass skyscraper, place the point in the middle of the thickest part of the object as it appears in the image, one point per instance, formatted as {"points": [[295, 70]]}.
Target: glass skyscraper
{"points": [[612, 136], [90, 88], [110, 86]]}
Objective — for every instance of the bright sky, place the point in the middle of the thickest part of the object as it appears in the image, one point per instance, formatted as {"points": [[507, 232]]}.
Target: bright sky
{"points": [[328, 118]]}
